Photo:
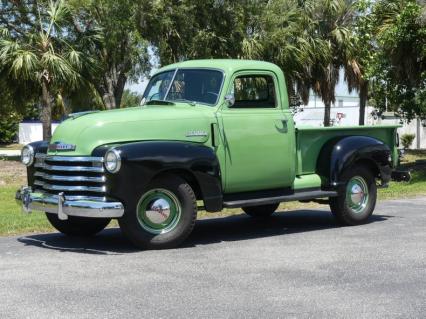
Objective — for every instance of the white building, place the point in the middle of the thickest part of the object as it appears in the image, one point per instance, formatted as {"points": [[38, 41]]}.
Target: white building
{"points": [[345, 112], [32, 131]]}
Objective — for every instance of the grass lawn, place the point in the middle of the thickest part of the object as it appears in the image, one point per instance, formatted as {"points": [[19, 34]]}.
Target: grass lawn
{"points": [[415, 161], [14, 222]]}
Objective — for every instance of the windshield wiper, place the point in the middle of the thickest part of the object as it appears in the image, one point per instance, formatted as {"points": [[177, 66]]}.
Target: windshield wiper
{"points": [[160, 102]]}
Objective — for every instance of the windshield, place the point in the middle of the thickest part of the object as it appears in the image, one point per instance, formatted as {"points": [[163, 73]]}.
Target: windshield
{"points": [[185, 85]]}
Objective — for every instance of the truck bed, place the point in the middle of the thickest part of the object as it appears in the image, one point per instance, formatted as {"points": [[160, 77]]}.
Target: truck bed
{"points": [[310, 140]]}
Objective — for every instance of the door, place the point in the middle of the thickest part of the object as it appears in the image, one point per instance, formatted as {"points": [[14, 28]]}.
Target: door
{"points": [[259, 151]]}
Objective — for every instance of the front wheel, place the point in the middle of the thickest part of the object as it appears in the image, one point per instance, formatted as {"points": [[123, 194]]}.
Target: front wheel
{"points": [[78, 226], [357, 198], [164, 216]]}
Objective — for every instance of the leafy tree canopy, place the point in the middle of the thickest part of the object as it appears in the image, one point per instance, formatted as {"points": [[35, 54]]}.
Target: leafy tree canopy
{"points": [[399, 68], [188, 29], [120, 52]]}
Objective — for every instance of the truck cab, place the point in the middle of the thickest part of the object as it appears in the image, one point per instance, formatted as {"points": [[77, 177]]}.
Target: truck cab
{"points": [[210, 134]]}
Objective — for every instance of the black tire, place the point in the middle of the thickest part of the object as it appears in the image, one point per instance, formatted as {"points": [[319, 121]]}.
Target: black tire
{"points": [[358, 213], [134, 226], [262, 211], [78, 226]]}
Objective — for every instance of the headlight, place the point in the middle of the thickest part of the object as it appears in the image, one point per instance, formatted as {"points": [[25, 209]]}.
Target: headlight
{"points": [[112, 161], [27, 155]]}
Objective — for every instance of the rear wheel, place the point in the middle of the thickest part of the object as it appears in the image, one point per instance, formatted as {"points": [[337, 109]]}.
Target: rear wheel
{"points": [[164, 215], [78, 226], [262, 211], [357, 198]]}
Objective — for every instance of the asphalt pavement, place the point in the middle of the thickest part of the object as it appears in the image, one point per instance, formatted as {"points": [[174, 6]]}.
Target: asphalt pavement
{"points": [[295, 265]]}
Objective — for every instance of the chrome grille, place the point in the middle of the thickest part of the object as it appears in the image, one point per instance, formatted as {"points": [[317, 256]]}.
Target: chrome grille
{"points": [[77, 177]]}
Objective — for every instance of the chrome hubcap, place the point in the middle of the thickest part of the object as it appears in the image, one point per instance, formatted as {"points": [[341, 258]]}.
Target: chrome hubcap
{"points": [[158, 211], [357, 194]]}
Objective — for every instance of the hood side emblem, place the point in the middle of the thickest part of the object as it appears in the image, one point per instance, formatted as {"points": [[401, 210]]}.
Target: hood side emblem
{"points": [[196, 133], [59, 146]]}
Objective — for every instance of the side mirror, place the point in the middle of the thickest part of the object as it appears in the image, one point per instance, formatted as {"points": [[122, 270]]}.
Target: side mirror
{"points": [[230, 99]]}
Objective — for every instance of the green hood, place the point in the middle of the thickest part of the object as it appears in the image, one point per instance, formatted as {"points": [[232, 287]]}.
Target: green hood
{"points": [[134, 124]]}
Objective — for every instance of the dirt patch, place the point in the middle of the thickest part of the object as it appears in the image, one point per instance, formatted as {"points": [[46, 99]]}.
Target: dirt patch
{"points": [[11, 146], [12, 172]]}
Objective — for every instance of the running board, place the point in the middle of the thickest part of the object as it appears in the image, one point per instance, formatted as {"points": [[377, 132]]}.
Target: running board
{"points": [[279, 199]]}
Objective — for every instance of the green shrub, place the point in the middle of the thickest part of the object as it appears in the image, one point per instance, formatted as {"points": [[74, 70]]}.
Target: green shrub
{"points": [[9, 125], [407, 140]]}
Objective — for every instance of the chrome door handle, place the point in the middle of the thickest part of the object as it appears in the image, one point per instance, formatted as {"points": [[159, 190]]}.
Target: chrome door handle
{"points": [[285, 127]]}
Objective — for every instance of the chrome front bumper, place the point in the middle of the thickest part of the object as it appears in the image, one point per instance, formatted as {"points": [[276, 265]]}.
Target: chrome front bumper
{"points": [[57, 204]]}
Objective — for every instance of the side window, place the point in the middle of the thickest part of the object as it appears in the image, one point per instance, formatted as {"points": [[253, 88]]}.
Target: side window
{"points": [[254, 91]]}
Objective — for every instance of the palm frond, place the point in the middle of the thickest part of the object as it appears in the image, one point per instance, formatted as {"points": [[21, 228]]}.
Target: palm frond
{"points": [[4, 33], [59, 68], [252, 48], [8, 49], [24, 65], [57, 12], [75, 59]]}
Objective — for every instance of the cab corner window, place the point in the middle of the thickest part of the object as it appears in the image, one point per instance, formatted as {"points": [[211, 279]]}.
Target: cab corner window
{"points": [[254, 91]]}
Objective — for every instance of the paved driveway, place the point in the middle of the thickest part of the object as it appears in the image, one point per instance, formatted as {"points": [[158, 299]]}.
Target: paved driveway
{"points": [[297, 264]]}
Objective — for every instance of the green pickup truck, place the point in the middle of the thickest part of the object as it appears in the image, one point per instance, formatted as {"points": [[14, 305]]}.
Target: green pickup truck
{"points": [[211, 134]]}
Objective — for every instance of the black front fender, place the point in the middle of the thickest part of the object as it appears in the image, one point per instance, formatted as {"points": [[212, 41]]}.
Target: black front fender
{"points": [[143, 161], [341, 153]]}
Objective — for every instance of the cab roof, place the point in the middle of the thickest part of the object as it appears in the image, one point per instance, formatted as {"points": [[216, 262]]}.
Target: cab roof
{"points": [[226, 65]]}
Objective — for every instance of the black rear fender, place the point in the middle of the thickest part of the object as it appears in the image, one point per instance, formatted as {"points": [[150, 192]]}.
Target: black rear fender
{"points": [[341, 153]]}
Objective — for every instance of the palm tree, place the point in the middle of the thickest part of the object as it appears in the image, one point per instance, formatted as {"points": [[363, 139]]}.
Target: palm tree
{"points": [[41, 57], [280, 37], [309, 40], [330, 25], [359, 52]]}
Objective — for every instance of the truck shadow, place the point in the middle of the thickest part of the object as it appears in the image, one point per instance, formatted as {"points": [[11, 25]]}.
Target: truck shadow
{"points": [[207, 231]]}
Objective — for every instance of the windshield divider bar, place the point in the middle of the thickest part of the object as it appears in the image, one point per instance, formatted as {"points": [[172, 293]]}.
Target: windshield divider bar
{"points": [[170, 85]]}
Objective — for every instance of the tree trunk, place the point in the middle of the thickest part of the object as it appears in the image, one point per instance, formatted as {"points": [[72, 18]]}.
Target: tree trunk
{"points": [[112, 91], [46, 111], [292, 95], [119, 89], [109, 100], [327, 113], [363, 96]]}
